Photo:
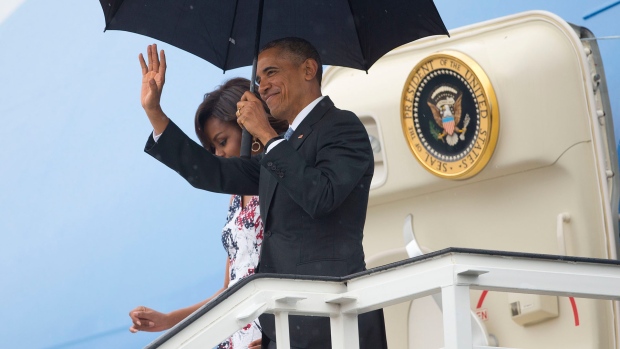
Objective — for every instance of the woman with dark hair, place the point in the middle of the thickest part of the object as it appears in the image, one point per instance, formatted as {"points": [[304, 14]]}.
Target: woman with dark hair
{"points": [[221, 105], [216, 127]]}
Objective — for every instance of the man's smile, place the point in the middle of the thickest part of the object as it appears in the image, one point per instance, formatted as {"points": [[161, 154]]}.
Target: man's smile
{"points": [[268, 97]]}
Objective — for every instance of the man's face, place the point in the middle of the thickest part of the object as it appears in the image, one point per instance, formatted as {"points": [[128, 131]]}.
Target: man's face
{"points": [[281, 83]]}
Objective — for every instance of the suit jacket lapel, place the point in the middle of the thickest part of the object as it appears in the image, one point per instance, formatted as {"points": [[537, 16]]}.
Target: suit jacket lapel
{"points": [[305, 128], [297, 139]]}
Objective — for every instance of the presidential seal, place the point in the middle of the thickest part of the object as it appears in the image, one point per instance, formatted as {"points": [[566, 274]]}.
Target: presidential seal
{"points": [[450, 115]]}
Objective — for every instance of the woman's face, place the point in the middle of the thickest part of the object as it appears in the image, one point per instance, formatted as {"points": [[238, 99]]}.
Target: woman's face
{"points": [[225, 137]]}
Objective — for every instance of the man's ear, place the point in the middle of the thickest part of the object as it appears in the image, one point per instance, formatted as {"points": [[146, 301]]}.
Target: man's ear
{"points": [[310, 69]]}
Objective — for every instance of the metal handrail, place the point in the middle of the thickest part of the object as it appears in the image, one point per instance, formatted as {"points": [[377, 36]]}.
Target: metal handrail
{"points": [[453, 272]]}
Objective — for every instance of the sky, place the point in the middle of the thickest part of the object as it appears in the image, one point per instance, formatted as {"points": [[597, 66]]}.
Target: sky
{"points": [[90, 225]]}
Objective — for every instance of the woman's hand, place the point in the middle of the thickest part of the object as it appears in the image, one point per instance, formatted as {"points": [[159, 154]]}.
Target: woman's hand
{"points": [[153, 79], [148, 320], [256, 344]]}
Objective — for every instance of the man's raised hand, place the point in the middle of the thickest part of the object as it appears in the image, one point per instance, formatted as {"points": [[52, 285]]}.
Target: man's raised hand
{"points": [[153, 79]]}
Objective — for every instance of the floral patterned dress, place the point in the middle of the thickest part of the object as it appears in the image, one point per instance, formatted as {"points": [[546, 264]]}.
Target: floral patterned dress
{"points": [[242, 237]]}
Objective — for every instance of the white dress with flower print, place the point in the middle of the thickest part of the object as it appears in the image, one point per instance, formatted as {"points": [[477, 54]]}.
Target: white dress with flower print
{"points": [[242, 237]]}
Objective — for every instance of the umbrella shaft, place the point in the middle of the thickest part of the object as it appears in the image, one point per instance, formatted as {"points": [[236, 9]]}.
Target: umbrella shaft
{"points": [[246, 137]]}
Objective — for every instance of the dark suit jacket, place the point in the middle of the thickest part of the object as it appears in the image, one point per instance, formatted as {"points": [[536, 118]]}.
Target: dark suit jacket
{"points": [[313, 193]]}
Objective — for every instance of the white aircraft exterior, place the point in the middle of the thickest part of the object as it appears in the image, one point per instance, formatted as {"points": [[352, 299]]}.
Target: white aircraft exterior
{"points": [[83, 230]]}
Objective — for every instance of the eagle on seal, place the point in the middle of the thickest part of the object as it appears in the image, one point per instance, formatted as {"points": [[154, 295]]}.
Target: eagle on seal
{"points": [[445, 103]]}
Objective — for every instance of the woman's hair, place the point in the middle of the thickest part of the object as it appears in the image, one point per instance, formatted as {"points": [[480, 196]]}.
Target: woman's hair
{"points": [[222, 104]]}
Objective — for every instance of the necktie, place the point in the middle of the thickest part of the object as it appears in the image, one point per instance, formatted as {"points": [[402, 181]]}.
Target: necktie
{"points": [[288, 133]]}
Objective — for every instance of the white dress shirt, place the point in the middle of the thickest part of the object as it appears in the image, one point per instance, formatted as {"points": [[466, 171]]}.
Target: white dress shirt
{"points": [[297, 121]]}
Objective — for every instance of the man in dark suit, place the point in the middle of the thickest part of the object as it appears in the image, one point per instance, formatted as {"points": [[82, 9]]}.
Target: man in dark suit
{"points": [[313, 186]]}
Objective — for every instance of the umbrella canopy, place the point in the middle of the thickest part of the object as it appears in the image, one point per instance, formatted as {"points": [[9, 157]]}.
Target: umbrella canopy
{"points": [[348, 33], [227, 33]]}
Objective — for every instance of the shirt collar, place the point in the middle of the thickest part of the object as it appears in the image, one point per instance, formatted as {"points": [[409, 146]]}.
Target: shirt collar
{"points": [[304, 112]]}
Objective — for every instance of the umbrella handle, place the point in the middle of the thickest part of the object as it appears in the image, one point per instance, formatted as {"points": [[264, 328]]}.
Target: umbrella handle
{"points": [[246, 137], [246, 144]]}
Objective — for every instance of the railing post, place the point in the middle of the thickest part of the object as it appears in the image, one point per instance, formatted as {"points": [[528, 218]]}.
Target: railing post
{"points": [[456, 317], [282, 333], [344, 331]]}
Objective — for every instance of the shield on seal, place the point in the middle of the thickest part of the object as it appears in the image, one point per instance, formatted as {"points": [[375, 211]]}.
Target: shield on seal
{"points": [[448, 124]]}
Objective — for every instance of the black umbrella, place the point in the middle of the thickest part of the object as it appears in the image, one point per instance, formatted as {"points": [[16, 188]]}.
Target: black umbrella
{"points": [[228, 33]]}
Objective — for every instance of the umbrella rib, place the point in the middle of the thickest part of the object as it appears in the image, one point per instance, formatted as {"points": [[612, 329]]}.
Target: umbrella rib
{"points": [[442, 24], [232, 27], [208, 33], [107, 23], [357, 33]]}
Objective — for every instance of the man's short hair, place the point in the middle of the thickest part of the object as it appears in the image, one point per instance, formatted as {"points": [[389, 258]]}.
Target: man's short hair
{"points": [[300, 50]]}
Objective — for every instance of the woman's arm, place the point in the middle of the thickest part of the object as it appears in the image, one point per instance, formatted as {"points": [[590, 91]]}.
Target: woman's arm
{"points": [[149, 320]]}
